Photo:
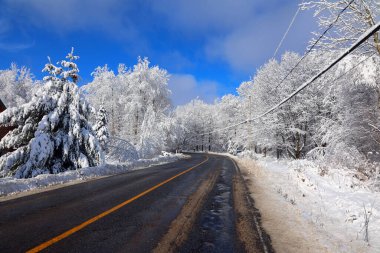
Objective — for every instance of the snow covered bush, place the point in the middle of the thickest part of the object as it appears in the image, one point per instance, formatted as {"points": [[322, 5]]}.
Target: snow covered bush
{"points": [[52, 133], [120, 151]]}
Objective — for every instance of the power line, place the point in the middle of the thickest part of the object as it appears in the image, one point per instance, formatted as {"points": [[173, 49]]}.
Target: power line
{"points": [[358, 42], [315, 43], [361, 40], [302, 58], [287, 31]]}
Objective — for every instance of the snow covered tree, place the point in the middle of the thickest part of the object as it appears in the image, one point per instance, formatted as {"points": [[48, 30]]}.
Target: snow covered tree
{"points": [[106, 90], [228, 111], [101, 127], [127, 97], [52, 133], [174, 132], [147, 87], [197, 118], [351, 113], [356, 19], [288, 130], [16, 85], [152, 136]]}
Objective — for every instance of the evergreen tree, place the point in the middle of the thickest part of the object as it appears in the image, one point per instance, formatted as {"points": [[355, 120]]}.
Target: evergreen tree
{"points": [[52, 133], [101, 127]]}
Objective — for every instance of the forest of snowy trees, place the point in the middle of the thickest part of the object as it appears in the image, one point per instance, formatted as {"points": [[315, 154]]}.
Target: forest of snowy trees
{"points": [[59, 126], [137, 103]]}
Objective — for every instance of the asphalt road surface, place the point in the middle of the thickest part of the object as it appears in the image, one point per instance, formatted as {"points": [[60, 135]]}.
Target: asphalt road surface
{"points": [[191, 205]]}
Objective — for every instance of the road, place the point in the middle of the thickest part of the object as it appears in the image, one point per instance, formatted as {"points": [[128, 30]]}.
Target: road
{"points": [[198, 204]]}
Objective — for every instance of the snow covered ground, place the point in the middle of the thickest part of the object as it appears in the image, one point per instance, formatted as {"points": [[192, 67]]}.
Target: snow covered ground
{"points": [[307, 210], [10, 186]]}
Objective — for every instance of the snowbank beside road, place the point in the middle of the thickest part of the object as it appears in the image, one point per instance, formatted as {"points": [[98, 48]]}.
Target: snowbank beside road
{"points": [[305, 210], [10, 185]]}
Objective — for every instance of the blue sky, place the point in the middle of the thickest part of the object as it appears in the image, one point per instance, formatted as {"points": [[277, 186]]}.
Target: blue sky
{"points": [[208, 46]]}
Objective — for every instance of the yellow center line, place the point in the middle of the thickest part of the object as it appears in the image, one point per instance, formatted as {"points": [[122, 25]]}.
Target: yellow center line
{"points": [[113, 209]]}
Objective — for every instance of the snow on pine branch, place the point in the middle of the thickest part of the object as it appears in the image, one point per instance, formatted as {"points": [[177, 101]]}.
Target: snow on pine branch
{"points": [[52, 131]]}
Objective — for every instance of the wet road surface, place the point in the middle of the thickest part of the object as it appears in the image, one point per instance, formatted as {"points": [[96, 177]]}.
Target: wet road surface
{"points": [[214, 230]]}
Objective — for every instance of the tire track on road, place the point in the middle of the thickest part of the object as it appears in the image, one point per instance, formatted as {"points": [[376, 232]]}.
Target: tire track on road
{"points": [[182, 225]]}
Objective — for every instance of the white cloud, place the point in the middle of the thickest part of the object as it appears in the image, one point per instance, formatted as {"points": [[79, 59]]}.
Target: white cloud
{"points": [[173, 60], [242, 33], [112, 19], [251, 45], [186, 87], [206, 16], [62, 16], [9, 43], [15, 47]]}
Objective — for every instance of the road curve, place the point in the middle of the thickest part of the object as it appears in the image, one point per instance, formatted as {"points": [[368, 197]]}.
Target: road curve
{"points": [[131, 212]]}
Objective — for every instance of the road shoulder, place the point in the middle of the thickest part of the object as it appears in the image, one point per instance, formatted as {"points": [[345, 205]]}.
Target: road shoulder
{"points": [[248, 218], [279, 218]]}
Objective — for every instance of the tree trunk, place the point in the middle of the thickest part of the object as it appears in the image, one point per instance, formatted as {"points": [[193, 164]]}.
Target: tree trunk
{"points": [[137, 122], [371, 22], [297, 152]]}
